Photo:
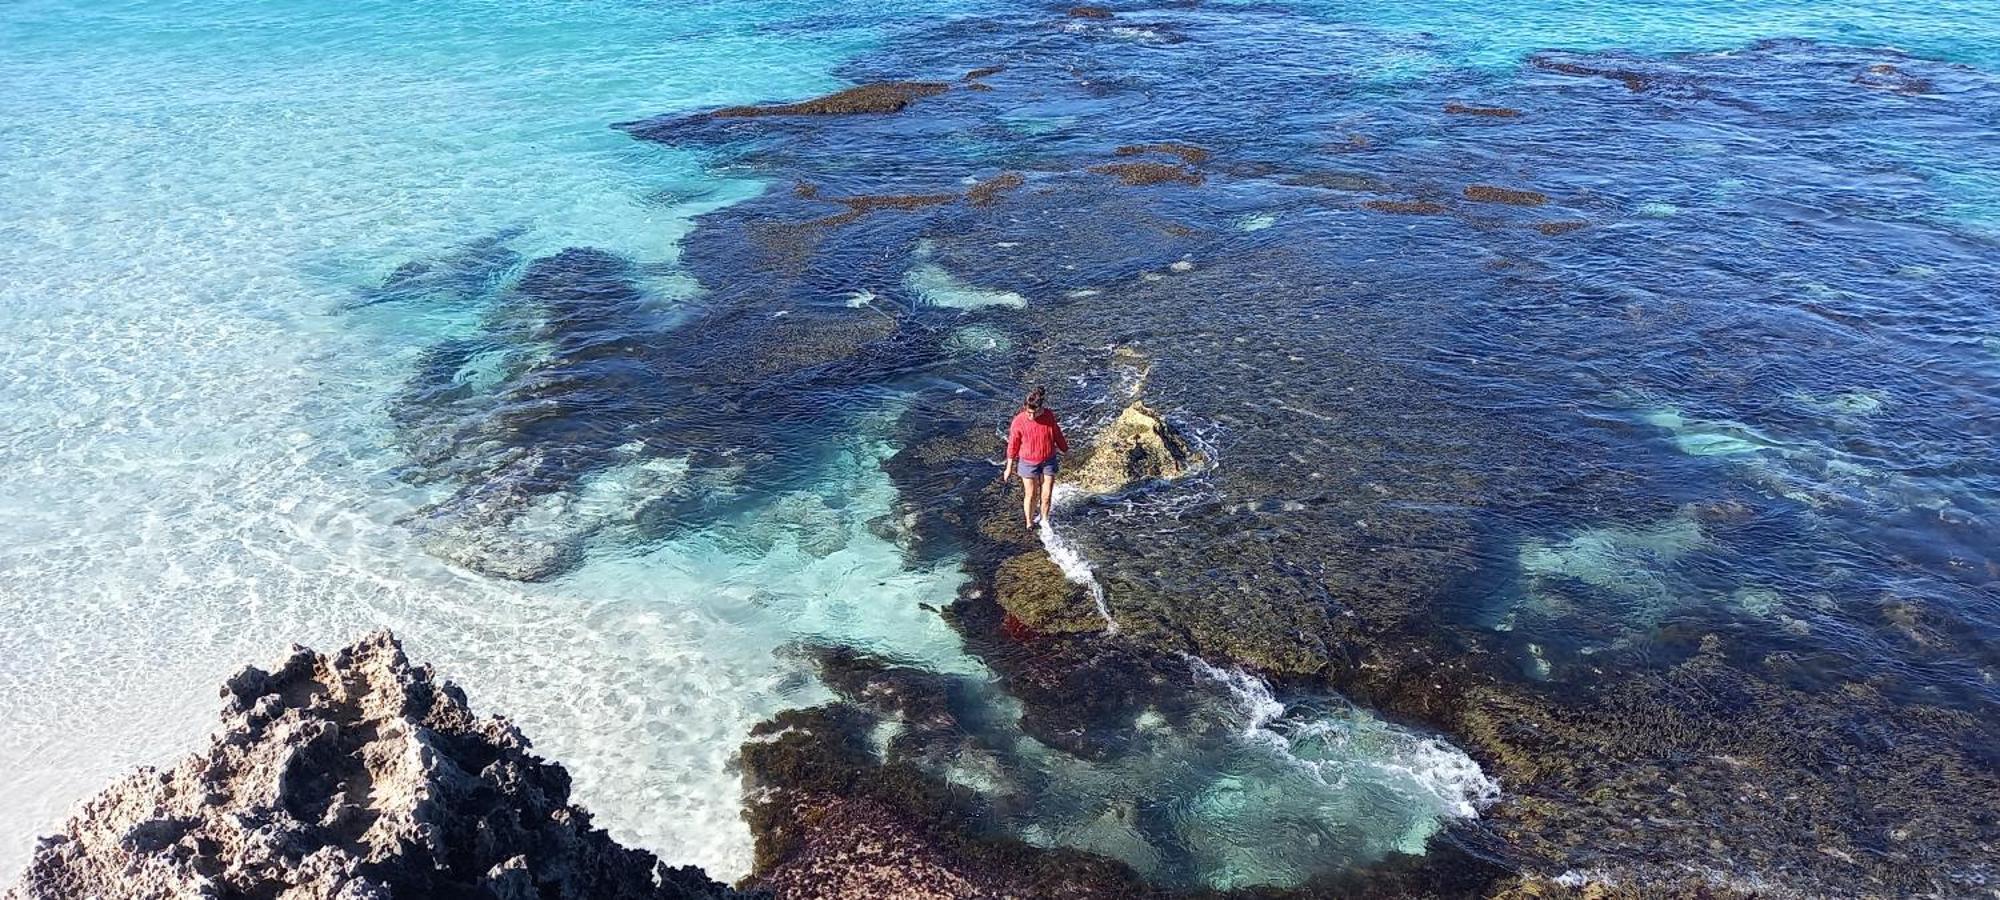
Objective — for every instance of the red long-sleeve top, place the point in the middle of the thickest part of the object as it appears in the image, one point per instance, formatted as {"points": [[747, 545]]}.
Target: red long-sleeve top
{"points": [[1034, 438]]}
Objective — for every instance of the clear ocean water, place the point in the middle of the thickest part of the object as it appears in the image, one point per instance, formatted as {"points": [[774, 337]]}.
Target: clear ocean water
{"points": [[198, 464]]}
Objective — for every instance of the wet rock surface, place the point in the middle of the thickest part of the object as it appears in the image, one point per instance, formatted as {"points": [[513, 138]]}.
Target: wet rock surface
{"points": [[833, 820], [883, 97], [1141, 174], [351, 775], [1136, 449], [1037, 595], [1491, 112], [1486, 193]]}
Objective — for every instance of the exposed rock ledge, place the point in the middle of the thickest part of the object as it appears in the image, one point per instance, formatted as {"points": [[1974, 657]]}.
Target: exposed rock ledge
{"points": [[1136, 448], [355, 776]]}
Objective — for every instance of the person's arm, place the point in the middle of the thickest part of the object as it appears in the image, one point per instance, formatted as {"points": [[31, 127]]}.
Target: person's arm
{"points": [[1062, 443], [1013, 448]]}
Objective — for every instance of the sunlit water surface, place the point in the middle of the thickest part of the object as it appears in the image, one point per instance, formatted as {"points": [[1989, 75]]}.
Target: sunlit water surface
{"points": [[199, 465]]}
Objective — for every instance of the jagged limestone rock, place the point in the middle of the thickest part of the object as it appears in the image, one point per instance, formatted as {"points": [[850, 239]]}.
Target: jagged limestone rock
{"points": [[354, 776], [1138, 446]]}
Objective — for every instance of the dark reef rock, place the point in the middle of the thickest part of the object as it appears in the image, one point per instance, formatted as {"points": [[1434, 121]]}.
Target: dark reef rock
{"points": [[1141, 174], [355, 776], [866, 204], [1384, 418], [1486, 193], [1635, 82], [989, 192], [462, 276], [1189, 153], [1890, 77], [1089, 12], [834, 821], [1034, 591], [1408, 207], [1137, 448], [878, 98], [1490, 112], [1711, 746]]}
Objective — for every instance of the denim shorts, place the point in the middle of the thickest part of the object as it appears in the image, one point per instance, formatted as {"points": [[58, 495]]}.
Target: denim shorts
{"points": [[1037, 470]]}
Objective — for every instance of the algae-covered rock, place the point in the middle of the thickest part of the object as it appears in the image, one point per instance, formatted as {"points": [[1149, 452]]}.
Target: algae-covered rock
{"points": [[1033, 589], [1486, 193], [1139, 446], [354, 776], [881, 97], [1142, 174], [834, 821]]}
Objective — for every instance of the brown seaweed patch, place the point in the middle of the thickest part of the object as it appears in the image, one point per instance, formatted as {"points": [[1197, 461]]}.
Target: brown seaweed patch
{"points": [[984, 71], [1883, 76], [1189, 153], [1492, 112], [805, 190], [832, 821], [881, 97], [988, 192], [865, 204], [1337, 181], [1555, 228], [979, 86], [1486, 193], [1141, 174], [1035, 592], [1089, 12], [1633, 81], [1408, 207]]}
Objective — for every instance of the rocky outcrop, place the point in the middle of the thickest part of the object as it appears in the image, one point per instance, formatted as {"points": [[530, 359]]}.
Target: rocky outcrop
{"points": [[1188, 153], [1144, 174], [878, 98], [1034, 591], [354, 776], [833, 821], [1491, 112], [1136, 448], [1486, 193]]}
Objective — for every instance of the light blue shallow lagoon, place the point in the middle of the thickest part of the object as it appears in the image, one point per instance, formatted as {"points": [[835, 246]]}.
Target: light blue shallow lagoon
{"points": [[1734, 375]]}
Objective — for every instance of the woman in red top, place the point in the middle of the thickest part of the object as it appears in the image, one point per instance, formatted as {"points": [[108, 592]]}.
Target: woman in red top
{"points": [[1035, 444]]}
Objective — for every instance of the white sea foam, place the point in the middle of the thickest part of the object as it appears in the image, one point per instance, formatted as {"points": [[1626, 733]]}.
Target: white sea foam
{"points": [[1071, 560], [939, 287], [1424, 767]]}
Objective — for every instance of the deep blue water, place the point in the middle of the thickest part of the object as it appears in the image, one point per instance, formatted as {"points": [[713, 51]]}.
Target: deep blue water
{"points": [[290, 312]]}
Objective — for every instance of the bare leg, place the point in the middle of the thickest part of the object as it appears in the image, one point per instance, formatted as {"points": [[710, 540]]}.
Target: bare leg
{"points": [[1048, 495], [1030, 485]]}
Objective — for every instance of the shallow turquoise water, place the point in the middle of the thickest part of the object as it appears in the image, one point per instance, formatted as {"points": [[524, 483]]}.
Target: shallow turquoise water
{"points": [[198, 472], [199, 463]]}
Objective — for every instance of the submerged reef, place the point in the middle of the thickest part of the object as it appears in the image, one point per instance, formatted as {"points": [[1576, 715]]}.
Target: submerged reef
{"points": [[578, 416], [355, 776], [886, 97], [1420, 458], [1410, 492]]}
